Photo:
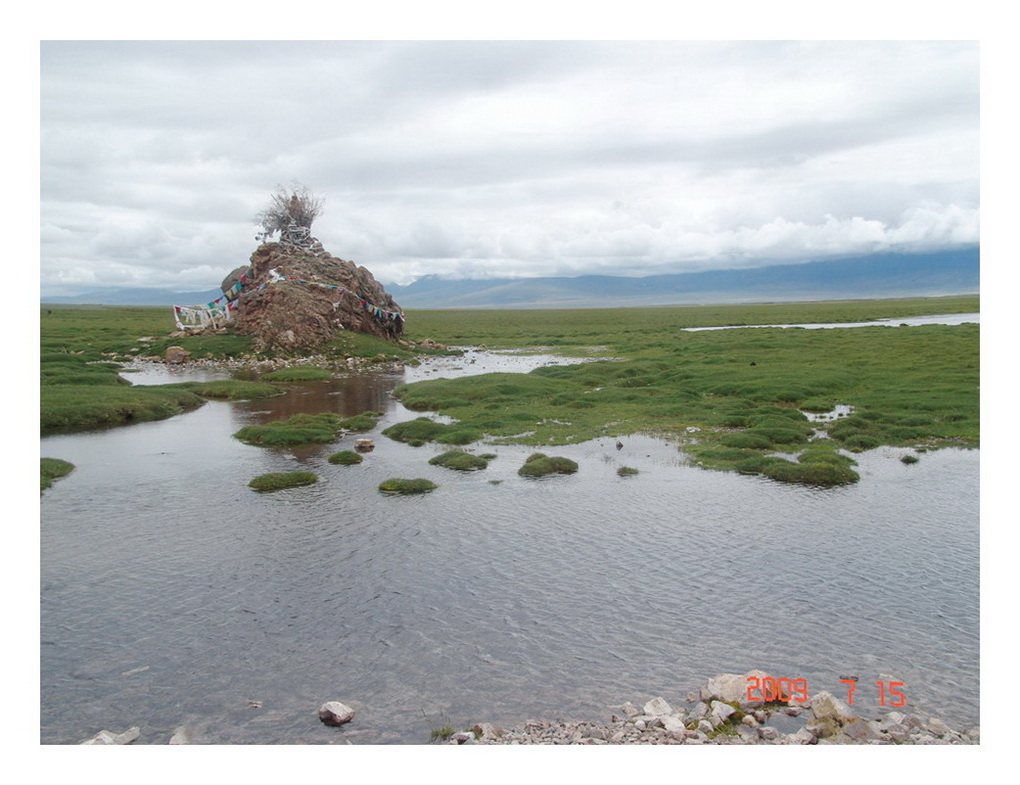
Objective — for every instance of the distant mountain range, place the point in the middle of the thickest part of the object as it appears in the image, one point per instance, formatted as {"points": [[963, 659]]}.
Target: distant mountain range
{"points": [[861, 277]]}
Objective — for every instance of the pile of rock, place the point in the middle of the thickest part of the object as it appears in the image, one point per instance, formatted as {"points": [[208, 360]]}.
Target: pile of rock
{"points": [[320, 296], [722, 715]]}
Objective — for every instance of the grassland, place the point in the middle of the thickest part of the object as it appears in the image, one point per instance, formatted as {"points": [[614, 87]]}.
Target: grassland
{"points": [[735, 397], [575, 331], [82, 348]]}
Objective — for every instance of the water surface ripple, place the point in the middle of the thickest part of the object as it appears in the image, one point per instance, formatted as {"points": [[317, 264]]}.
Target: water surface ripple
{"points": [[174, 595]]}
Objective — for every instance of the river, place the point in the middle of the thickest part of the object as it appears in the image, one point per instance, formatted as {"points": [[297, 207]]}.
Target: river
{"points": [[174, 595]]}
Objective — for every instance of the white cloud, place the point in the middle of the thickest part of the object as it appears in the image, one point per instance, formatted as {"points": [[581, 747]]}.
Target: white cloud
{"points": [[504, 158]]}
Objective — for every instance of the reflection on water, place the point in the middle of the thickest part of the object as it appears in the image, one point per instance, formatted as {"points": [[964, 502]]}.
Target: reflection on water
{"points": [[909, 321], [173, 595]]}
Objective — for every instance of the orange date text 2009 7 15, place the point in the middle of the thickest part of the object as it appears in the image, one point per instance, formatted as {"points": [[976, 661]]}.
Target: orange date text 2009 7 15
{"points": [[771, 689]]}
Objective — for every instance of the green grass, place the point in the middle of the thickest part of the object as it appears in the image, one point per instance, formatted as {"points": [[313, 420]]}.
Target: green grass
{"points": [[82, 391], [51, 469], [459, 460], [346, 458], [573, 331], [400, 486], [109, 330], [417, 432], [65, 408], [539, 465], [297, 430], [442, 733], [228, 389], [298, 373], [732, 396], [81, 344], [277, 481], [360, 423]]}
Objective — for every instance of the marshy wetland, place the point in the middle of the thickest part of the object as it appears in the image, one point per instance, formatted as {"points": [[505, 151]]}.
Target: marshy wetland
{"points": [[739, 501]]}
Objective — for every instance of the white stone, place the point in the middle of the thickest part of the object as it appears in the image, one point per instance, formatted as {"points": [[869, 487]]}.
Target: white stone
{"points": [[181, 736], [720, 712], [109, 737], [658, 707], [826, 706], [335, 713]]}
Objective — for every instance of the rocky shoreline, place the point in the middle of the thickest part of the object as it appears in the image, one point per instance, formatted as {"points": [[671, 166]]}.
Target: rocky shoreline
{"points": [[721, 714]]}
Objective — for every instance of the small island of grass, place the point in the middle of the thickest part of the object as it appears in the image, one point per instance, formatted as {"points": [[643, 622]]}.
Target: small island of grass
{"points": [[539, 465], [398, 486], [360, 423], [460, 460], [417, 432], [299, 429], [345, 458], [277, 481]]}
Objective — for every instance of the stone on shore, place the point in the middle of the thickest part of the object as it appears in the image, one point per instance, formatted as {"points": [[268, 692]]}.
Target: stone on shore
{"points": [[826, 706], [335, 713], [109, 737], [485, 730], [657, 707], [715, 721], [729, 688], [174, 355], [182, 735], [720, 712]]}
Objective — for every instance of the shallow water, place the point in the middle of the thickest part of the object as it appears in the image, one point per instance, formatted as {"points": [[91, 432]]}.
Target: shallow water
{"points": [[173, 595], [908, 321]]}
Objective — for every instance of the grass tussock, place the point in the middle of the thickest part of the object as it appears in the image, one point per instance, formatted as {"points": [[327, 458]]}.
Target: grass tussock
{"points": [[540, 465], [299, 429], [278, 481], [400, 486], [421, 430], [346, 458], [360, 423], [460, 460]]}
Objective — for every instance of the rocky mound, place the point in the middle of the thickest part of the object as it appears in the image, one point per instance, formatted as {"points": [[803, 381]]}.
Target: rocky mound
{"points": [[296, 296]]}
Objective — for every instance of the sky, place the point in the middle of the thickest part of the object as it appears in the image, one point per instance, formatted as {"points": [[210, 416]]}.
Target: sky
{"points": [[478, 159]]}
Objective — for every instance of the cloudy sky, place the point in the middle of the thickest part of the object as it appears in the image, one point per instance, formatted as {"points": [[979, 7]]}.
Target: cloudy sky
{"points": [[482, 159]]}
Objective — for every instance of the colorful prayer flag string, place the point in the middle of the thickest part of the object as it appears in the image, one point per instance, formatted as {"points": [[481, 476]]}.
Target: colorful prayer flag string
{"points": [[197, 317]]}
